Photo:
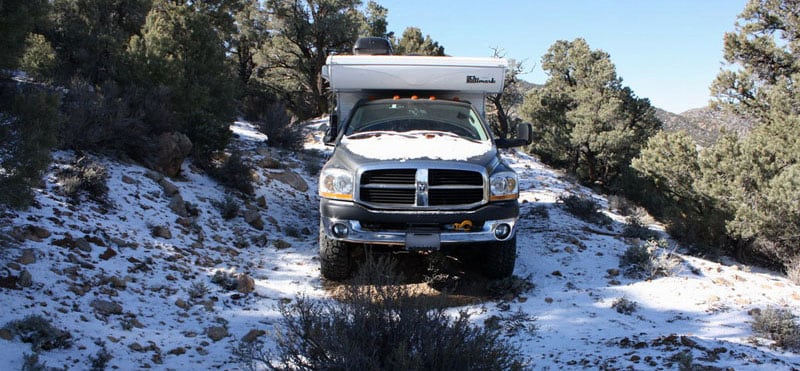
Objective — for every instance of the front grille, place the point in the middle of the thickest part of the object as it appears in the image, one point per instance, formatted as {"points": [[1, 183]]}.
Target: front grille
{"points": [[421, 187]]}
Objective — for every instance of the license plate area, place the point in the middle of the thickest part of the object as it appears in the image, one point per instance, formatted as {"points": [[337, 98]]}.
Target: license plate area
{"points": [[423, 240]]}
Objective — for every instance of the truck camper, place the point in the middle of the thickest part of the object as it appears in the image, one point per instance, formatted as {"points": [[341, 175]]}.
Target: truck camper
{"points": [[415, 166]]}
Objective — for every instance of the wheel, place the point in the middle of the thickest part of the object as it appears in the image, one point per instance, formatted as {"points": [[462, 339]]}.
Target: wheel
{"points": [[499, 258], [334, 257]]}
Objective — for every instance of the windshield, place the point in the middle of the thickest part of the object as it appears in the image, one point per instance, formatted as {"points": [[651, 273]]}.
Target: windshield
{"points": [[406, 115]]}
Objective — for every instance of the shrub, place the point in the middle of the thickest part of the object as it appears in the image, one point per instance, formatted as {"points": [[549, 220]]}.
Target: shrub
{"points": [[778, 325], [30, 362], [585, 208], [28, 118], [275, 122], [228, 207], [624, 306], [648, 260], [38, 331], [83, 177], [634, 228], [793, 270], [100, 360], [234, 173], [39, 60], [197, 290], [380, 325]]}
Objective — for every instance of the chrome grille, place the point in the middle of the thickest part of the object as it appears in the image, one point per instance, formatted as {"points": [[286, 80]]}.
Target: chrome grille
{"points": [[421, 187]]}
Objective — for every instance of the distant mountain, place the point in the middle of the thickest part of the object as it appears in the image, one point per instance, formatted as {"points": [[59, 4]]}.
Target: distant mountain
{"points": [[705, 124]]}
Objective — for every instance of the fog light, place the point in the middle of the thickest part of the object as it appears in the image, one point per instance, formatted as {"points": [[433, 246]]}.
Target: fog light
{"points": [[502, 231], [340, 230]]}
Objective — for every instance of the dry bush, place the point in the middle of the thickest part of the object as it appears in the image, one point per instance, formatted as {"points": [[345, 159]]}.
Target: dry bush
{"points": [[379, 325], [779, 325], [585, 208]]}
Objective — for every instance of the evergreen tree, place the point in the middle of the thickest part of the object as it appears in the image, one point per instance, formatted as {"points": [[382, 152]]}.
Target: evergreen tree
{"points": [[413, 43], [91, 37], [182, 50], [17, 19], [28, 118], [757, 177], [305, 32], [585, 119], [375, 23]]}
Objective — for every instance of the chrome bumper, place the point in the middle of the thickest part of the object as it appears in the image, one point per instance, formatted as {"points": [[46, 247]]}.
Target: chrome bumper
{"points": [[357, 234]]}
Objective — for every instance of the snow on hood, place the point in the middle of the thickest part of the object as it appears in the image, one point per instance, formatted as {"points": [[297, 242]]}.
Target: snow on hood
{"points": [[415, 145]]}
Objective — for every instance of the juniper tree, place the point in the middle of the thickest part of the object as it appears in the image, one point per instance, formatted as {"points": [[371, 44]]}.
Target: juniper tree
{"points": [[586, 120], [758, 177], [412, 42]]}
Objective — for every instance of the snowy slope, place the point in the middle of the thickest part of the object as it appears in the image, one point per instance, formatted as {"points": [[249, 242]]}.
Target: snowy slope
{"points": [[108, 276]]}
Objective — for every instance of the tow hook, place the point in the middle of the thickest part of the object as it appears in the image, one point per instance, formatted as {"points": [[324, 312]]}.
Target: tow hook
{"points": [[464, 226]]}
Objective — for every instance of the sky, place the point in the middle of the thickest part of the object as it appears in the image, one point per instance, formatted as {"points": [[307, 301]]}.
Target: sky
{"points": [[668, 51]]}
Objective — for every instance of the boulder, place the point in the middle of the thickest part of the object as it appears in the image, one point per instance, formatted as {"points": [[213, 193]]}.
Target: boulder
{"points": [[167, 152]]}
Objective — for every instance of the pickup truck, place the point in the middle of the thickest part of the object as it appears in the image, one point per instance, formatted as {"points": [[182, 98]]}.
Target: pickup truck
{"points": [[415, 166]]}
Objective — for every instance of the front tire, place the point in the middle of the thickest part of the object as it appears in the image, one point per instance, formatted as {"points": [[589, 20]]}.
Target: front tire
{"points": [[334, 257], [500, 258]]}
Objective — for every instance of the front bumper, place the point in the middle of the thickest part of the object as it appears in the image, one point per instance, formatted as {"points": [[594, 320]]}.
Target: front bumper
{"points": [[361, 222]]}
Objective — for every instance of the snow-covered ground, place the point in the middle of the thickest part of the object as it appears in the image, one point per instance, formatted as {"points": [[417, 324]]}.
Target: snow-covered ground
{"points": [[112, 277]]}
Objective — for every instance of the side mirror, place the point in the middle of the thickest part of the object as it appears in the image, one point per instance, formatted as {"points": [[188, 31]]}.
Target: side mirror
{"points": [[333, 130], [524, 137], [525, 132]]}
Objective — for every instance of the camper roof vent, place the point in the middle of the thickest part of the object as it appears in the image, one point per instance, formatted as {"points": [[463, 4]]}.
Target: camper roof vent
{"points": [[372, 46]]}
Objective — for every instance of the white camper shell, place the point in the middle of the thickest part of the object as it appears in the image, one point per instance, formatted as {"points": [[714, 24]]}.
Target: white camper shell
{"points": [[356, 77]]}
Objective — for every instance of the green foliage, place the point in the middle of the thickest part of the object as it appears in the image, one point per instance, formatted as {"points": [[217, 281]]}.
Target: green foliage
{"points": [[379, 325], [375, 21], [304, 33], [413, 43], [228, 207], [584, 118], [671, 162], [234, 173], [28, 118], [91, 37], [39, 60], [779, 325], [17, 19], [181, 49], [757, 177]]}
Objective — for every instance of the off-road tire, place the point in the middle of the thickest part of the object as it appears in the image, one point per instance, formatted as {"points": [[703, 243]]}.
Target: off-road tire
{"points": [[499, 258], [334, 258]]}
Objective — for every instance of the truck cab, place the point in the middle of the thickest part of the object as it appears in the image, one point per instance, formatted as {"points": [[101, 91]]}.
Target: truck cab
{"points": [[415, 166]]}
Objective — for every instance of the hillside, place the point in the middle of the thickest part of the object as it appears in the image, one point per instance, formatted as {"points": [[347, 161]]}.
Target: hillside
{"points": [[704, 124], [152, 276]]}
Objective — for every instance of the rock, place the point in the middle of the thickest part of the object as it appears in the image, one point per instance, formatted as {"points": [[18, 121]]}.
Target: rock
{"points": [[281, 244], [253, 218], [136, 347], [25, 279], [105, 307], [169, 188], [178, 206], [177, 351], [245, 284], [162, 232], [6, 334], [217, 333], [117, 283], [128, 180], [166, 153], [108, 254], [253, 335], [83, 245], [269, 163], [30, 232], [154, 175], [290, 178], [180, 303], [28, 257], [261, 201]]}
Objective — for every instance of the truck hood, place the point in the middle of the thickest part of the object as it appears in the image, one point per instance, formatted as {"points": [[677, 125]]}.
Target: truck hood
{"points": [[417, 146]]}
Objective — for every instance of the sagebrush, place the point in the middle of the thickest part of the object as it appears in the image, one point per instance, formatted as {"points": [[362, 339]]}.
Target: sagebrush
{"points": [[379, 325]]}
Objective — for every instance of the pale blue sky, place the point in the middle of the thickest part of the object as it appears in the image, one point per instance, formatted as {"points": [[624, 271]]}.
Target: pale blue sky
{"points": [[667, 51]]}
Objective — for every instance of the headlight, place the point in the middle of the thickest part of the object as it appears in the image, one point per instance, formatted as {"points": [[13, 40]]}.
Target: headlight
{"points": [[504, 186], [336, 183]]}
